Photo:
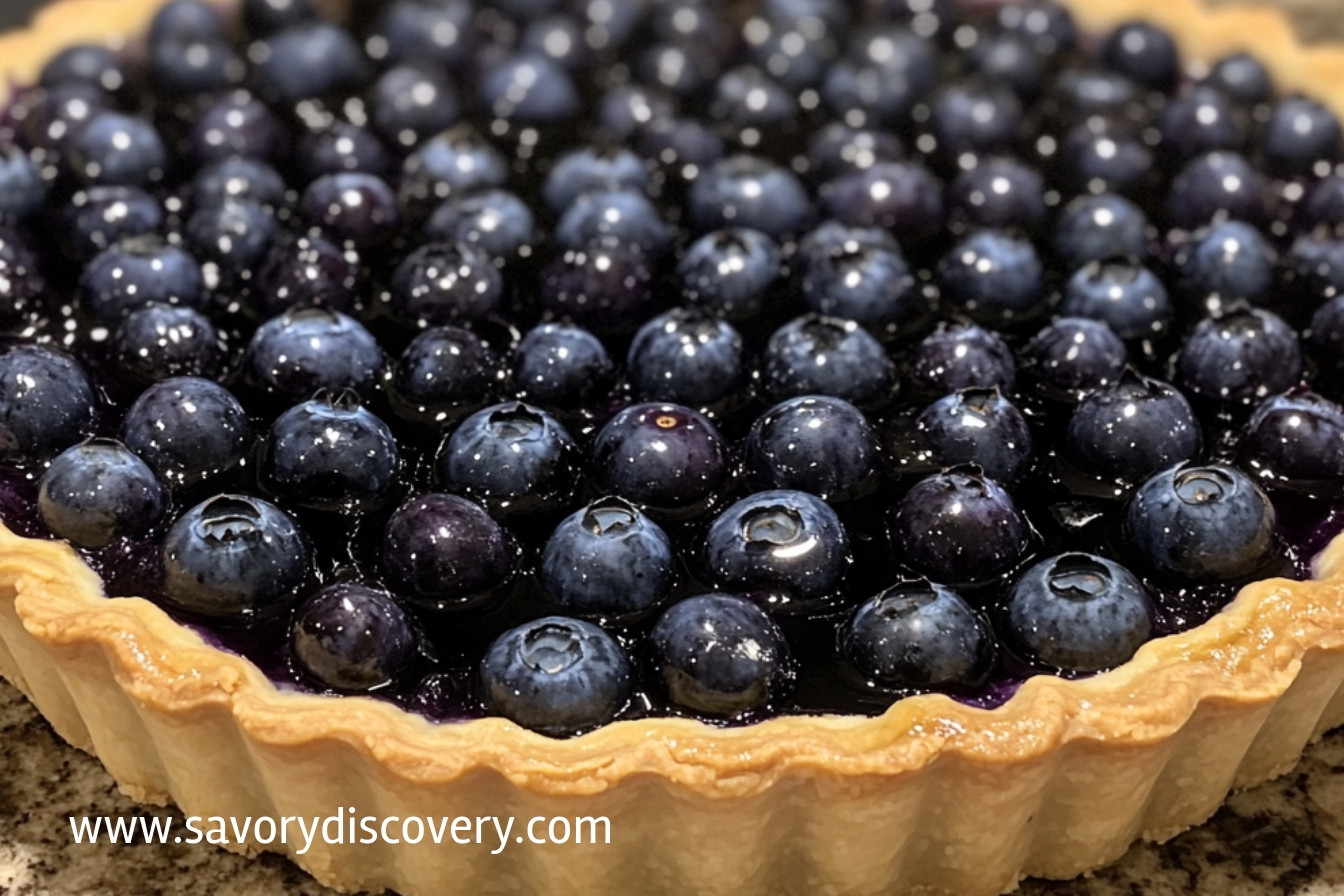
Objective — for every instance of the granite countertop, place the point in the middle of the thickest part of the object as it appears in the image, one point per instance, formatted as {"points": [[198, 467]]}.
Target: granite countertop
{"points": [[1284, 838]]}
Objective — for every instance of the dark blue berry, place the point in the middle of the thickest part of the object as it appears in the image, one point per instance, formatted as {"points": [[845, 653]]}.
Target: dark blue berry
{"points": [[22, 188], [235, 558], [444, 370], [186, 20], [961, 355], [971, 120], [160, 341], [903, 197], [686, 356], [788, 544], [1098, 156], [1217, 185], [21, 285], [513, 458], [626, 109], [188, 430], [308, 349], [1079, 613], [118, 149], [85, 64], [720, 655], [1046, 25], [729, 272], [424, 30], [100, 216], [1126, 431], [233, 237], [1296, 441], [993, 277], [353, 639], [456, 161], [557, 676], [816, 355], [1009, 60], [1072, 356], [356, 207], [1240, 357], [443, 552], [751, 104], [812, 443], [1229, 261], [445, 282], [960, 528], [1123, 294], [1243, 78], [308, 272], [330, 454], [1094, 228], [238, 178], [339, 147], [46, 403], [608, 561], [885, 73], [1193, 522], [495, 220], [663, 457], [263, 17], [997, 192], [1144, 52], [917, 635], [1200, 121], [605, 287], [847, 277], [236, 124], [748, 191], [1301, 133], [624, 217], [97, 491], [138, 272], [977, 426], [560, 366], [836, 149], [309, 60], [195, 66], [409, 103], [528, 88]]}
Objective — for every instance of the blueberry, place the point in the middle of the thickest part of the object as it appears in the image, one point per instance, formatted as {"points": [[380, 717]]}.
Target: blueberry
{"points": [[443, 370], [1094, 228], [816, 355], [160, 341], [560, 366], [21, 285], [604, 286], [1079, 95], [113, 148], [721, 655], [977, 426], [1128, 430], [236, 124], [1144, 52], [836, 148], [1301, 133], [885, 73], [240, 179], [747, 191], [309, 60], [869, 284], [795, 51], [663, 457], [136, 272], [993, 277], [687, 357], [93, 65], [188, 430], [339, 147], [917, 635], [751, 102], [729, 272], [1097, 156], [46, 403], [560, 37], [22, 189], [1079, 613], [330, 454], [1199, 121], [1217, 185], [445, 553], [495, 220], [98, 491], [308, 272], [1229, 261], [1009, 60], [1240, 357], [195, 66], [788, 544], [1325, 203], [52, 117], [233, 237], [456, 161], [411, 102], [528, 88], [1123, 294], [682, 148], [608, 560], [353, 639], [445, 282], [263, 17], [307, 349], [1243, 78], [1295, 441], [812, 443], [624, 217], [100, 216], [186, 20], [1046, 25], [997, 193], [971, 120], [423, 30], [1072, 356], [513, 458], [960, 528], [357, 207], [556, 676], [1201, 522], [961, 355], [626, 109], [903, 197], [234, 558]]}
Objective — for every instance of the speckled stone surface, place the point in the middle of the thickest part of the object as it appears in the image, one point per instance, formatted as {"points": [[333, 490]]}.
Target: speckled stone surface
{"points": [[1284, 838]]}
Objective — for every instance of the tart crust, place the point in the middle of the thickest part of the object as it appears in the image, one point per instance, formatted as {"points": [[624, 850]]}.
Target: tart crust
{"points": [[931, 796]]}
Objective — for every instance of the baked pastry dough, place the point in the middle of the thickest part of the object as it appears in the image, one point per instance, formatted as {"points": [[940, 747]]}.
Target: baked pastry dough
{"points": [[930, 796]]}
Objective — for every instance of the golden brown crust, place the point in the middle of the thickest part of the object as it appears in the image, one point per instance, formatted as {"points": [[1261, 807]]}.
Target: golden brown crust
{"points": [[959, 799]]}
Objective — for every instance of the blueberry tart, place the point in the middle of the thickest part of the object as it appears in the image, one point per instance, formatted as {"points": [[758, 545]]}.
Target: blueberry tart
{"points": [[872, 447]]}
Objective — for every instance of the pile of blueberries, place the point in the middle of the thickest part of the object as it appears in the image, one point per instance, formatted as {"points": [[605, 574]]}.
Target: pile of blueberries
{"points": [[580, 360]]}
